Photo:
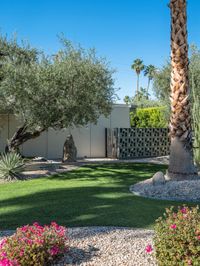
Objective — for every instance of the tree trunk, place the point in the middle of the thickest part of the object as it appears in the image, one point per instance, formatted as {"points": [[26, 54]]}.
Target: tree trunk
{"points": [[149, 80], [21, 136], [181, 165], [138, 82]]}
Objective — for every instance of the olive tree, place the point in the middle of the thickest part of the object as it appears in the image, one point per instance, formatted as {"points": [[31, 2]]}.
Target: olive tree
{"points": [[71, 88]]}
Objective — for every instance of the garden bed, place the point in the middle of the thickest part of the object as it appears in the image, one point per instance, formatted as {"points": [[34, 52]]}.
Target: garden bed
{"points": [[111, 246]]}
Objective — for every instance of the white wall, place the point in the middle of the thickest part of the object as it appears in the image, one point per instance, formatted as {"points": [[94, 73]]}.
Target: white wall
{"points": [[4, 131], [89, 140]]}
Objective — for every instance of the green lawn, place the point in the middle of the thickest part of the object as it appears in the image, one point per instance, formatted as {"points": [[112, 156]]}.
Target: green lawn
{"points": [[90, 195]]}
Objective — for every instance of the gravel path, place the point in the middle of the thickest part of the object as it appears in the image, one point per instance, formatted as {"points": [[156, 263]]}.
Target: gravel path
{"points": [[107, 246]]}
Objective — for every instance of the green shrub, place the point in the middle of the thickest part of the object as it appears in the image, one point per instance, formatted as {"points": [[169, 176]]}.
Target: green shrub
{"points": [[34, 245], [177, 237], [11, 166], [153, 117]]}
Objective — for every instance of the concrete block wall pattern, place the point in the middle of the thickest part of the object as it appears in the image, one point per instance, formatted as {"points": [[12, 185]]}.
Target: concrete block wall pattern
{"points": [[130, 143]]}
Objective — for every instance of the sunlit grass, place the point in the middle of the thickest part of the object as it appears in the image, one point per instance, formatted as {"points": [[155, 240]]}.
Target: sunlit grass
{"points": [[89, 196]]}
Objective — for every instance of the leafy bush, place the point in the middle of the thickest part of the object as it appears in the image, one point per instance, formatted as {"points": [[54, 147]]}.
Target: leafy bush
{"points": [[33, 245], [11, 165], [153, 117], [177, 239]]}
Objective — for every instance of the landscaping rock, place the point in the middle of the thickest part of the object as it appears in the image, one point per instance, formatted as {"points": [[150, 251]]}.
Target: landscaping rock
{"points": [[158, 179], [187, 190], [69, 150], [40, 159]]}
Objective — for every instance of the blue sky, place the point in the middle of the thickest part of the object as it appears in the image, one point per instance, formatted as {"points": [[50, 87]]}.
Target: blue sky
{"points": [[120, 30]]}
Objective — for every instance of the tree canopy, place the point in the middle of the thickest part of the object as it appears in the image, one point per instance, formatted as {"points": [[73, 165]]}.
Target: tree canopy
{"points": [[142, 99], [70, 88], [138, 66], [161, 80]]}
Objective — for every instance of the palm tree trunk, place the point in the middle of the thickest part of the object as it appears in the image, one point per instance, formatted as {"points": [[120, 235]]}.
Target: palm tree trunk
{"points": [[181, 165], [138, 82], [149, 80]]}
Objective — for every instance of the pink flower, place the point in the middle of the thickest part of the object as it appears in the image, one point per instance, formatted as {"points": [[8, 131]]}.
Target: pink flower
{"points": [[21, 253], [29, 237], [24, 228], [39, 241], [54, 224], [3, 254], [184, 210], [36, 224], [198, 237], [54, 251], [173, 226], [29, 242], [149, 249], [2, 242], [7, 262], [189, 262]]}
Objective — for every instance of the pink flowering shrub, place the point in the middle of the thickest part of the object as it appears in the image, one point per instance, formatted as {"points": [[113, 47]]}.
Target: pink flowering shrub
{"points": [[33, 245], [177, 237]]}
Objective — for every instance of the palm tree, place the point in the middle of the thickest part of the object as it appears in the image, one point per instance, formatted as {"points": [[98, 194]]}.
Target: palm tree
{"points": [[137, 66], [149, 71], [181, 165], [127, 99]]}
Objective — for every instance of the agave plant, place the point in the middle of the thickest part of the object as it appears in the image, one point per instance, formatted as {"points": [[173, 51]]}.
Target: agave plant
{"points": [[11, 166]]}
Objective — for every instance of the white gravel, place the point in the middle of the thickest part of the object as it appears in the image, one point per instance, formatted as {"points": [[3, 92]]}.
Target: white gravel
{"points": [[107, 246], [188, 190]]}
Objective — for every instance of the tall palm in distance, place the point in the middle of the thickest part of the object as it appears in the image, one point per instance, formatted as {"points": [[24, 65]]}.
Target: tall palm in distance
{"points": [[127, 99], [138, 66], [150, 72]]}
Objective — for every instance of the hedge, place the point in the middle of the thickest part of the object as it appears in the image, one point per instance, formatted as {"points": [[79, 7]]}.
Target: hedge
{"points": [[152, 117]]}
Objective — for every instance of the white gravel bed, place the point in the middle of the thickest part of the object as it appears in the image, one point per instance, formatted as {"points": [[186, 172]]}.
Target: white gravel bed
{"points": [[188, 190], [108, 246]]}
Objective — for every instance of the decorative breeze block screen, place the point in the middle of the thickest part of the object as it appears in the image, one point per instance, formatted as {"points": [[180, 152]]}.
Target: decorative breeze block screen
{"points": [[141, 142]]}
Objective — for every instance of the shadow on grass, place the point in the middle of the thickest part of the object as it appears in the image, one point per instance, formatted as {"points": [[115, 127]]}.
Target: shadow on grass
{"points": [[96, 195]]}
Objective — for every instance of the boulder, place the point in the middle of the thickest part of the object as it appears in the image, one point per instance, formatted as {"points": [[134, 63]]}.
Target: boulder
{"points": [[69, 150], [158, 179]]}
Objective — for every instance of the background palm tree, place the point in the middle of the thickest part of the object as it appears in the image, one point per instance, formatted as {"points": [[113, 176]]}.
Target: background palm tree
{"points": [[149, 71], [181, 165], [127, 99], [137, 66]]}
